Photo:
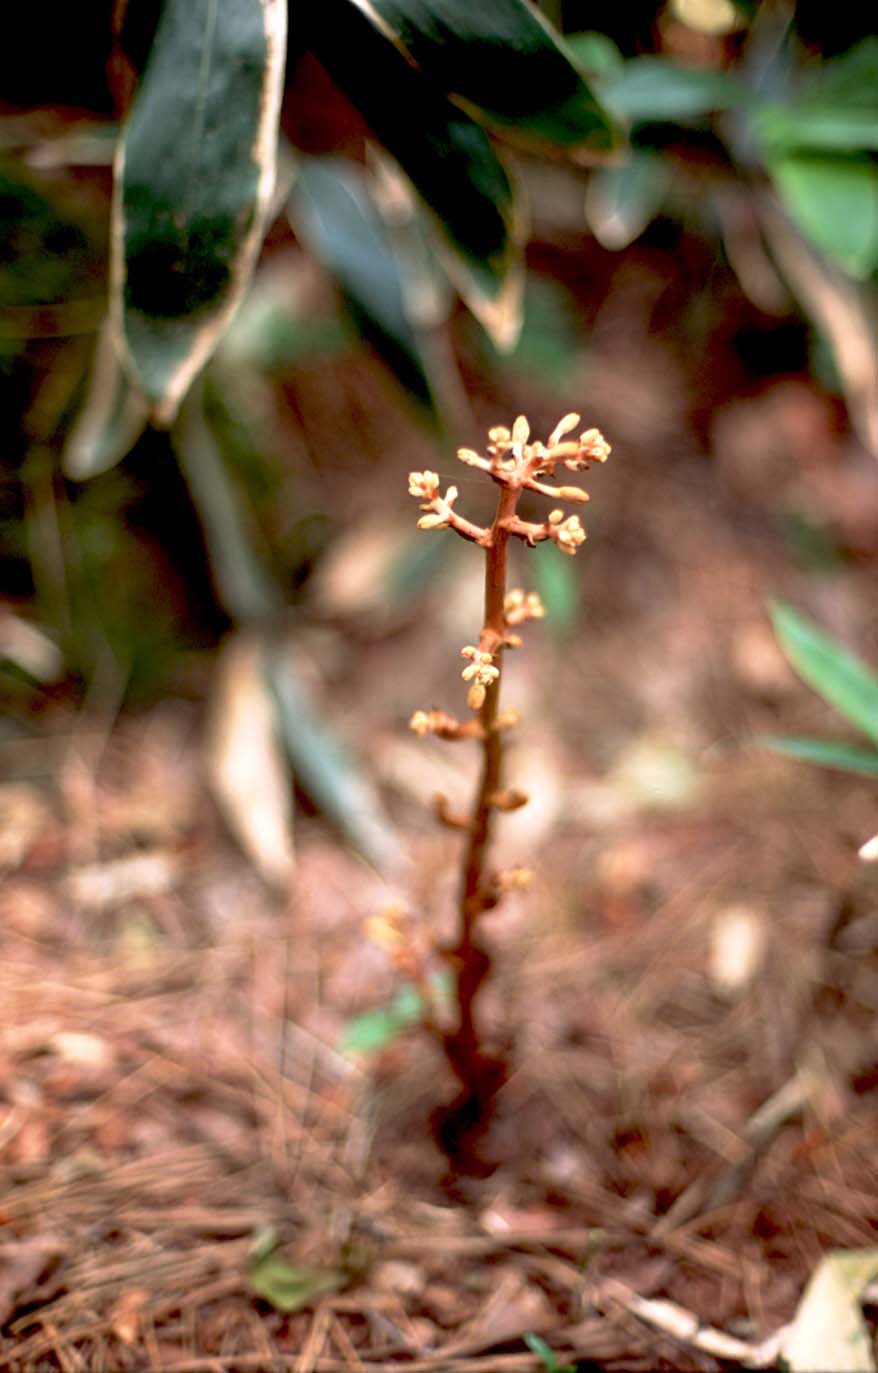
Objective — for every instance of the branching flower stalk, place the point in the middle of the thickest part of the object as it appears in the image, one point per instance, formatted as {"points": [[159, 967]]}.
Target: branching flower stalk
{"points": [[515, 464]]}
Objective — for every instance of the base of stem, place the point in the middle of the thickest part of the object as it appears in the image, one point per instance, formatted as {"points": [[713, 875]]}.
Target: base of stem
{"points": [[460, 1127]]}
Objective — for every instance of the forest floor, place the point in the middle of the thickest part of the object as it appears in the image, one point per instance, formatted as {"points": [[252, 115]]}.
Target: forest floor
{"points": [[687, 992]]}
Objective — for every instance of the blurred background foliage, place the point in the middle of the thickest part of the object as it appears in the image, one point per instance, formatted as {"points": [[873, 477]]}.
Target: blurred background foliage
{"points": [[431, 158]]}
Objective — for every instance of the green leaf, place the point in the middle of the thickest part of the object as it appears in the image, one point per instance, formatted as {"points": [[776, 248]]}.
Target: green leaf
{"points": [[836, 111], [244, 586], [834, 201], [374, 1030], [444, 153], [851, 79], [322, 766], [828, 753], [194, 179], [334, 215], [840, 308], [655, 89], [112, 417], [505, 61], [537, 1345], [621, 201], [286, 1286], [595, 54], [816, 127], [842, 679]]}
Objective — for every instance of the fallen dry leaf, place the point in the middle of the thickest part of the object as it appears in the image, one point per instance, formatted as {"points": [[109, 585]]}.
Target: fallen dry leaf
{"points": [[737, 947], [100, 886], [245, 763], [84, 1050], [829, 1330]]}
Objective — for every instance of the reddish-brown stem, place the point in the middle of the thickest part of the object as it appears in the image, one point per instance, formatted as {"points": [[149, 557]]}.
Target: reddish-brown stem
{"points": [[480, 1074]]}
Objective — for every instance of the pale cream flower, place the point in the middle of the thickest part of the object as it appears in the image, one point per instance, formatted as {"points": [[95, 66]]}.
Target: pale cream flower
{"points": [[520, 430], [594, 446], [519, 606], [561, 428], [475, 697], [439, 508], [423, 485], [481, 669], [569, 534]]}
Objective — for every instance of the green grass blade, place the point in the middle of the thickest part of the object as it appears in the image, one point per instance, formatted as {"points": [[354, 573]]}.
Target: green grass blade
{"points": [[828, 754], [836, 674]]}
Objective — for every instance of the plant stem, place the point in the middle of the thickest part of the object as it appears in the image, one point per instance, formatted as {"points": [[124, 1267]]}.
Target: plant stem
{"points": [[481, 1075], [491, 641]]}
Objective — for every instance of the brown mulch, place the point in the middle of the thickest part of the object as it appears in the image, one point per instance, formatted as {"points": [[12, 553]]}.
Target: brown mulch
{"points": [[687, 994]]}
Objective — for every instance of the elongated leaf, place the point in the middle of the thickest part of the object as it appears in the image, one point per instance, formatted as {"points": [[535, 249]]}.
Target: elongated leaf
{"points": [[841, 310], [837, 675], [594, 53], [444, 153], [654, 88], [112, 417], [324, 770], [817, 127], [837, 109], [194, 178], [851, 79], [246, 767], [834, 201], [333, 213], [505, 61], [621, 201], [828, 753], [243, 585]]}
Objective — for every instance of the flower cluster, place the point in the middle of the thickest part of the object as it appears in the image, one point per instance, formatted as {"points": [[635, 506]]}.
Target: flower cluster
{"points": [[519, 606], [481, 672], [516, 464], [509, 449], [437, 722], [567, 533], [425, 486]]}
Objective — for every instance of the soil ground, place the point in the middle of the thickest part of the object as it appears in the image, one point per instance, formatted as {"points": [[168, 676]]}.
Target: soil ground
{"points": [[687, 992]]}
